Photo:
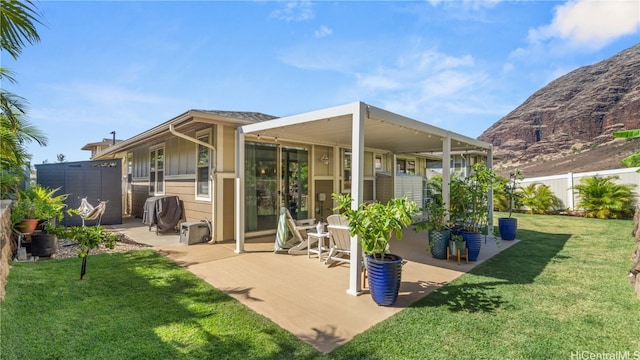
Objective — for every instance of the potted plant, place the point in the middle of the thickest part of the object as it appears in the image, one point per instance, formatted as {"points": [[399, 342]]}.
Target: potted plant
{"points": [[374, 224], [470, 206], [23, 215], [508, 226], [437, 224], [35, 205], [39, 203]]}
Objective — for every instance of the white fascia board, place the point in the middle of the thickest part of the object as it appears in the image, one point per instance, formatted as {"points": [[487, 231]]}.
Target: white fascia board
{"points": [[331, 112]]}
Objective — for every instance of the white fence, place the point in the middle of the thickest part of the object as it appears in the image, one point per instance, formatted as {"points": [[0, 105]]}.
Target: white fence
{"points": [[562, 185]]}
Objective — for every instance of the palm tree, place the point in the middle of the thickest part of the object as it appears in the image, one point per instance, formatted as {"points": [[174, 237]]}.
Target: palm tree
{"points": [[603, 198], [539, 199], [634, 159], [17, 27]]}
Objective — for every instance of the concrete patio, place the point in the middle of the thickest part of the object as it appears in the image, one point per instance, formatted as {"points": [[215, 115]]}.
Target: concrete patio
{"points": [[303, 295]]}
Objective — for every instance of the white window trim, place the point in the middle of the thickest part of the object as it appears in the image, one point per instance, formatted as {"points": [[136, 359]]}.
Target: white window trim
{"points": [[164, 185], [207, 197]]}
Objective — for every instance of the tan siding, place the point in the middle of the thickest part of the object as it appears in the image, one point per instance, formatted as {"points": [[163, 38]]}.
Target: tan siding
{"points": [[194, 210], [228, 148]]}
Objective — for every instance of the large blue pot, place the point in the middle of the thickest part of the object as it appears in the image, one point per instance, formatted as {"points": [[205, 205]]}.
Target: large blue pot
{"points": [[508, 228], [473, 240], [438, 241], [384, 276]]}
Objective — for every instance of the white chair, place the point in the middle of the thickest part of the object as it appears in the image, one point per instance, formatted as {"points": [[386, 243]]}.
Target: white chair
{"points": [[299, 241], [339, 239]]}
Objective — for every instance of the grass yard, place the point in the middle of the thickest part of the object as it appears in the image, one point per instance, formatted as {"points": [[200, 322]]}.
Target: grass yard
{"points": [[561, 292]]}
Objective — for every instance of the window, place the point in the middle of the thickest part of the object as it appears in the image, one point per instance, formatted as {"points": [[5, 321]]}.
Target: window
{"points": [[203, 168], [346, 171], [156, 170], [405, 167]]}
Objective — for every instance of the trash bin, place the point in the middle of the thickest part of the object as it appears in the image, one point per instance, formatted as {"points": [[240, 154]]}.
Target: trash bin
{"points": [[194, 232]]}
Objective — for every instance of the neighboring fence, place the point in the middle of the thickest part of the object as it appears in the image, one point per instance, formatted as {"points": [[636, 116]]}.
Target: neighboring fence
{"points": [[562, 185]]}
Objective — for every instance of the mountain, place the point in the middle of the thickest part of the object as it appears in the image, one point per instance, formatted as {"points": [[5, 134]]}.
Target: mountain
{"points": [[567, 125]]}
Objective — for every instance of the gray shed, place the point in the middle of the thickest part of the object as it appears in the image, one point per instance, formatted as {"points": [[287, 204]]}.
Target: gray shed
{"points": [[99, 180]]}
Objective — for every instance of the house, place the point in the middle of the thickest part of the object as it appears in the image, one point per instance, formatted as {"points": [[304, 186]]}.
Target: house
{"points": [[97, 147], [237, 169]]}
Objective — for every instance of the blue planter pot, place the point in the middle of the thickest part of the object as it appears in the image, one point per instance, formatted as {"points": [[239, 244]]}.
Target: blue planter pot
{"points": [[508, 228], [473, 240], [384, 277], [438, 241]]}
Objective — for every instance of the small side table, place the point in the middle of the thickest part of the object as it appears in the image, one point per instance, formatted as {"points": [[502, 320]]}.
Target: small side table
{"points": [[321, 246]]}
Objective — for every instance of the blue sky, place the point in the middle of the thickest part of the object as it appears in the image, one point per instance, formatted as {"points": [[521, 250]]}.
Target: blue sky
{"points": [[462, 65]]}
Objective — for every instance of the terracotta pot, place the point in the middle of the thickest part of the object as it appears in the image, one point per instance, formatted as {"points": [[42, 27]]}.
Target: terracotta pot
{"points": [[27, 226]]}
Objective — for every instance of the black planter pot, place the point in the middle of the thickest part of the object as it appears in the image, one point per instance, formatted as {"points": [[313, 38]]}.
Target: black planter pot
{"points": [[43, 244], [508, 228], [438, 241], [473, 241], [384, 277]]}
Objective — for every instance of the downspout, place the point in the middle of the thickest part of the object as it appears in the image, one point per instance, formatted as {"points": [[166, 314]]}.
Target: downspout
{"points": [[214, 221], [194, 140]]}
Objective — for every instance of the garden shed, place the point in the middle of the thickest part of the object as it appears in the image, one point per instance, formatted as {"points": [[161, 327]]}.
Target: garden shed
{"points": [[97, 181]]}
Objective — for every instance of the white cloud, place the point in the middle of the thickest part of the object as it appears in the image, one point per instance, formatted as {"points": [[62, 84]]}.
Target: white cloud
{"points": [[294, 11], [323, 32], [591, 24]]}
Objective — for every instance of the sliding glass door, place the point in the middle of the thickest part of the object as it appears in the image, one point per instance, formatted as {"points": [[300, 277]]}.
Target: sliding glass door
{"points": [[275, 176]]}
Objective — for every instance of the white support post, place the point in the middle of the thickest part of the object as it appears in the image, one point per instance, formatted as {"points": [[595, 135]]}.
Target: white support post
{"points": [[446, 172], [239, 193], [570, 193], [357, 176]]}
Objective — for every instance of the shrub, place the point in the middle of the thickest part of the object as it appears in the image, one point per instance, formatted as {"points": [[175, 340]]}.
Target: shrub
{"points": [[603, 198], [539, 199]]}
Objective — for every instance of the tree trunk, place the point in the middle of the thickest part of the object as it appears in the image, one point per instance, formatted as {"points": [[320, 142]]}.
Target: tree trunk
{"points": [[634, 272]]}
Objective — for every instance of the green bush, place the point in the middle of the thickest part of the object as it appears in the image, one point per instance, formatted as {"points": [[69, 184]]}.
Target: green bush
{"points": [[539, 199], [603, 198]]}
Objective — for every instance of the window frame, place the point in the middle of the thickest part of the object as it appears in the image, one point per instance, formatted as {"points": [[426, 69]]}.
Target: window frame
{"points": [[200, 135], [154, 170]]}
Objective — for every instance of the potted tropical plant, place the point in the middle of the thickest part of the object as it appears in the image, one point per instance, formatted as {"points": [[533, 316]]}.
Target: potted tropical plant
{"points": [[35, 205], [437, 224], [39, 203], [375, 224], [470, 206], [508, 226]]}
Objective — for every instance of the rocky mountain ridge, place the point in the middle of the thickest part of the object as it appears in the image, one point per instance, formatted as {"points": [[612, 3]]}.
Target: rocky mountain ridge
{"points": [[567, 125]]}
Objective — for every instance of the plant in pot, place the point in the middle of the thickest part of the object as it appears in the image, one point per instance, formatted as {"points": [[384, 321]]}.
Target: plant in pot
{"points": [[437, 224], [375, 224], [470, 206], [39, 203], [35, 205], [508, 226]]}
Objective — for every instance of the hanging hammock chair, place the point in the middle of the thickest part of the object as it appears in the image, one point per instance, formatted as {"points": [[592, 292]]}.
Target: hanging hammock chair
{"points": [[90, 212]]}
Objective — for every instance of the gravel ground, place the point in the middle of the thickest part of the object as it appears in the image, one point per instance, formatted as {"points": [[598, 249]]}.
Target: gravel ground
{"points": [[68, 250]]}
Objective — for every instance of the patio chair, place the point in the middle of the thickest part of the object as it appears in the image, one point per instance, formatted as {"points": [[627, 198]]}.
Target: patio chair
{"points": [[298, 242], [339, 239]]}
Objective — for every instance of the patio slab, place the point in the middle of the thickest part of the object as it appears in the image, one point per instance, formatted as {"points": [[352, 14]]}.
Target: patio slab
{"points": [[303, 295]]}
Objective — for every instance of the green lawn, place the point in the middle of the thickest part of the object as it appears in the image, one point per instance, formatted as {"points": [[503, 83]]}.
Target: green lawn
{"points": [[561, 291]]}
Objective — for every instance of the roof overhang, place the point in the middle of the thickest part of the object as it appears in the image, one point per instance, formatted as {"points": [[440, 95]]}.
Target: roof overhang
{"points": [[184, 123], [383, 130]]}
